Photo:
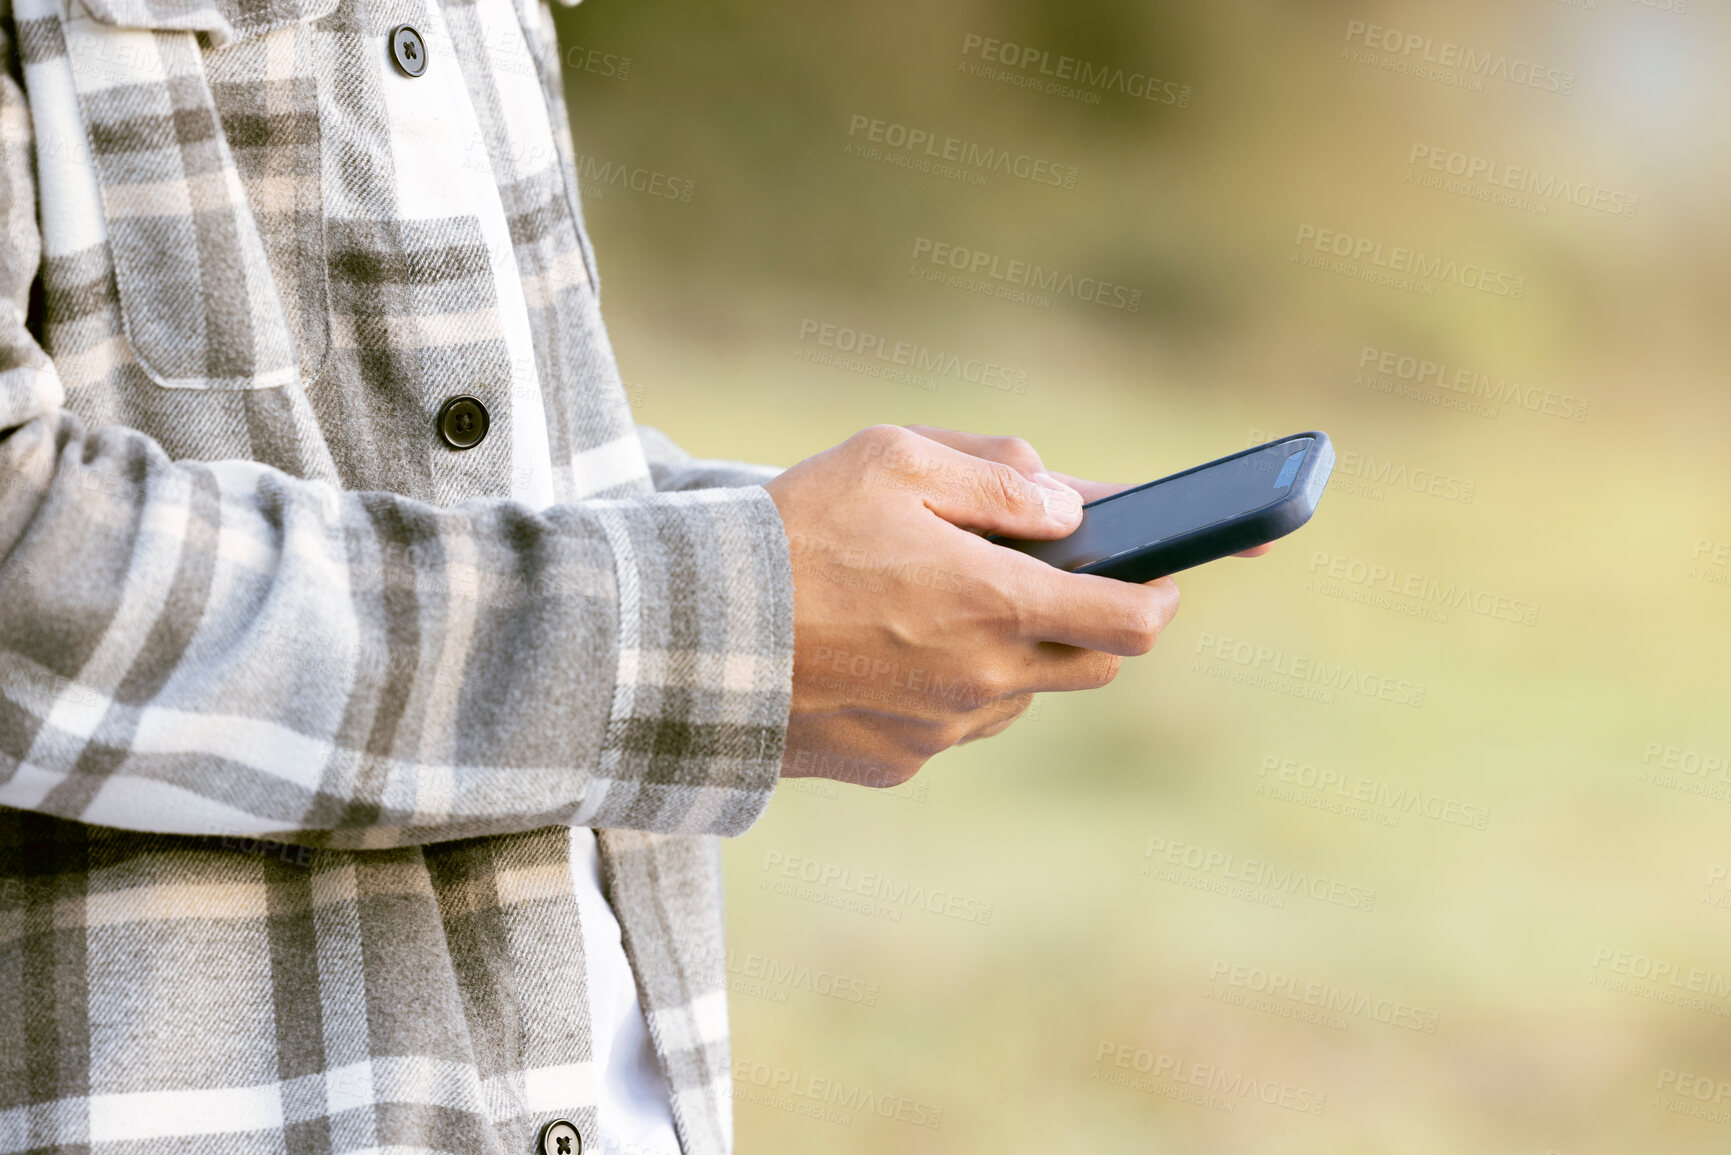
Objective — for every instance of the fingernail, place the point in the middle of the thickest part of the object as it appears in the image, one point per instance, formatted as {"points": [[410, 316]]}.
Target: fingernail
{"points": [[1061, 503]]}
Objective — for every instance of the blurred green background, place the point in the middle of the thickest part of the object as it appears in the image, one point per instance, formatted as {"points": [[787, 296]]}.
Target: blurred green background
{"points": [[1546, 963]]}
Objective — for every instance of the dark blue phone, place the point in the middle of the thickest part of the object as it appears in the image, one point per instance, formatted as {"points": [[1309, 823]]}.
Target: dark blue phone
{"points": [[1242, 500]]}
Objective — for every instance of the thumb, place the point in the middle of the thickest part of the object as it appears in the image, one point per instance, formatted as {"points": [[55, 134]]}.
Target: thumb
{"points": [[994, 498]]}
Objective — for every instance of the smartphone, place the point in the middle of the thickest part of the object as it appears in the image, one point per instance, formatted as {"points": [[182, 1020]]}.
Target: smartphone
{"points": [[1211, 511]]}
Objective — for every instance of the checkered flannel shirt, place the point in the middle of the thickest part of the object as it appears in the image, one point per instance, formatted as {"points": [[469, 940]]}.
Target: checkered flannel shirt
{"points": [[296, 706]]}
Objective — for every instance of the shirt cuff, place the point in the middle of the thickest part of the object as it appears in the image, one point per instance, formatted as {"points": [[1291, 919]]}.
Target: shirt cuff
{"points": [[705, 662]]}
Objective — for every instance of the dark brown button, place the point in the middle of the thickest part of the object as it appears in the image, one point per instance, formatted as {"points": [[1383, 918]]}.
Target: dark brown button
{"points": [[463, 422], [560, 1137], [408, 50]]}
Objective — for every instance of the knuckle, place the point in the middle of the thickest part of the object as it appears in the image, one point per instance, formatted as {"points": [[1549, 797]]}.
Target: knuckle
{"points": [[884, 431], [893, 774], [1173, 597], [1143, 629], [1010, 608], [926, 740], [955, 732], [989, 690], [1017, 452], [883, 440], [1105, 669], [995, 718], [1003, 484], [890, 449]]}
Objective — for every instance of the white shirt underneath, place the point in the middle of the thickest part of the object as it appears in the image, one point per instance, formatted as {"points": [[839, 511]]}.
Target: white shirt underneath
{"points": [[633, 1108], [430, 124]]}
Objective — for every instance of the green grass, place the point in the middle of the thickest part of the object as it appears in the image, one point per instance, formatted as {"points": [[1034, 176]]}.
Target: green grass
{"points": [[1494, 930]]}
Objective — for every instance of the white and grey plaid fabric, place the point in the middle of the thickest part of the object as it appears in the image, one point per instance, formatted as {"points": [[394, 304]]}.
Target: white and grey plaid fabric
{"points": [[296, 707]]}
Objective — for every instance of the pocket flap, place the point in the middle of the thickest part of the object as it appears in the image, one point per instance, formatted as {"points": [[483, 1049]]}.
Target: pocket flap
{"points": [[199, 303], [221, 21]]}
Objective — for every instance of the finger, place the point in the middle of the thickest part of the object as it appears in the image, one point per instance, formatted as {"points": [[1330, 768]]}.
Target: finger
{"points": [[1105, 614], [1090, 490], [974, 493], [864, 747], [1095, 490], [1019, 455], [1012, 451], [1061, 669], [1084, 610], [996, 718]]}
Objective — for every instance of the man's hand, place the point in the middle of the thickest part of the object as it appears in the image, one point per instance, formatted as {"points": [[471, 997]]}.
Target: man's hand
{"points": [[912, 634], [1023, 458]]}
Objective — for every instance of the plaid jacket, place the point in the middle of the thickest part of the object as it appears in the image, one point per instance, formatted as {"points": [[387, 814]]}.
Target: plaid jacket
{"points": [[296, 706]]}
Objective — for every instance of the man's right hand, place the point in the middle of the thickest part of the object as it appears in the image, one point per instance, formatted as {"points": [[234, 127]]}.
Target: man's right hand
{"points": [[913, 634]]}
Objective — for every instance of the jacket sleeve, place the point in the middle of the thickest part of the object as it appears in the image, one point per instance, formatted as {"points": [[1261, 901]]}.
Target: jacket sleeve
{"points": [[675, 470], [221, 648]]}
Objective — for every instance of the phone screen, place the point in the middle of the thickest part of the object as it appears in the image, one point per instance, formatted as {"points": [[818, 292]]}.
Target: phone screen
{"points": [[1192, 500]]}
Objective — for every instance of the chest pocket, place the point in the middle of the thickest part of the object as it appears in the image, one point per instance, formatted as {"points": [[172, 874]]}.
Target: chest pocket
{"points": [[200, 307]]}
